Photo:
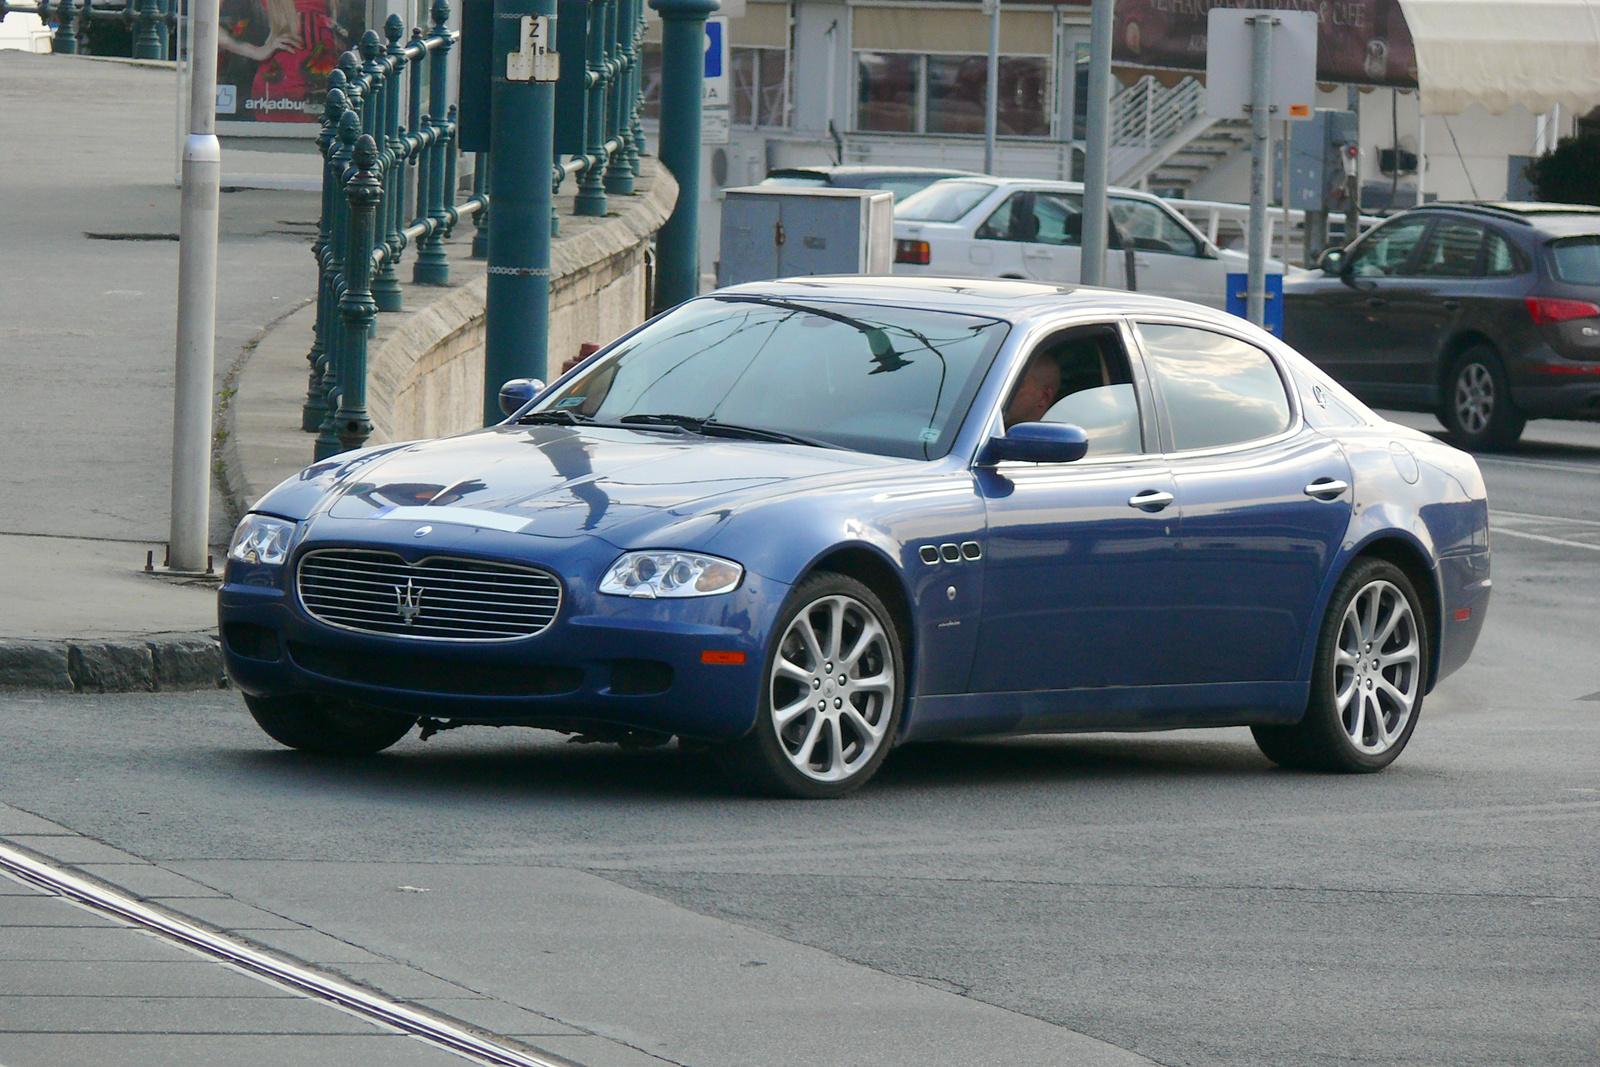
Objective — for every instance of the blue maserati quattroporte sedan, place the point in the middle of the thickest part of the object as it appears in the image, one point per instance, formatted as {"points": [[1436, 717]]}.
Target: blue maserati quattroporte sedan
{"points": [[803, 522]]}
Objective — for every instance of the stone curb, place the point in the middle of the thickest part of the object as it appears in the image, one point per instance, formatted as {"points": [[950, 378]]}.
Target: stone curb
{"points": [[142, 665]]}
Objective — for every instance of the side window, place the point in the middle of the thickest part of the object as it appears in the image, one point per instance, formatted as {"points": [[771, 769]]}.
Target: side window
{"points": [[1081, 377], [1013, 220], [1218, 390], [1500, 259], [1452, 250], [1385, 250], [1150, 229], [1060, 219]]}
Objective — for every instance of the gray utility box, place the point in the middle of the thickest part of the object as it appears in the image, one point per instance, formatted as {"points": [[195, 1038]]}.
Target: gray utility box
{"points": [[777, 231]]}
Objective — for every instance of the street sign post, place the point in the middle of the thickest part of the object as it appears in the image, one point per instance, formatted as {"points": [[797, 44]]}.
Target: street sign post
{"points": [[1282, 51]]}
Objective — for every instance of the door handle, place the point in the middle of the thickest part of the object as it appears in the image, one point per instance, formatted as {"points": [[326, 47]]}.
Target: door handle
{"points": [[1327, 488], [1150, 500]]}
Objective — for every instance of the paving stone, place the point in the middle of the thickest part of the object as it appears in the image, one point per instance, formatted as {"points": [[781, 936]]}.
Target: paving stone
{"points": [[182, 1014], [177, 974], [399, 981], [186, 663], [31, 665], [149, 881], [376, 1049]]}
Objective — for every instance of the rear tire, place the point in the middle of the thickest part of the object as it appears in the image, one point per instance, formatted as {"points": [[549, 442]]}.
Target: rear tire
{"points": [[1367, 681], [1477, 409], [327, 727], [832, 689]]}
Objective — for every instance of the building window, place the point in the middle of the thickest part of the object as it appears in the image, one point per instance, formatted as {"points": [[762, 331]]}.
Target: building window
{"points": [[760, 80], [900, 93]]}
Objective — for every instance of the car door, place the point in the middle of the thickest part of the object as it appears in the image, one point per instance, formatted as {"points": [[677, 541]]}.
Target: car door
{"points": [[1168, 259], [1450, 277], [1078, 565], [1350, 329], [1049, 226], [996, 248], [1264, 504]]}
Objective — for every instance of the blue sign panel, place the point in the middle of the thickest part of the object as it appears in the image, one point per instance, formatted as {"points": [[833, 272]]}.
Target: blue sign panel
{"points": [[1238, 300], [714, 31]]}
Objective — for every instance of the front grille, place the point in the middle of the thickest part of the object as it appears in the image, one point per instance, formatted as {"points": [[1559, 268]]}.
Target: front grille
{"points": [[441, 598], [422, 674]]}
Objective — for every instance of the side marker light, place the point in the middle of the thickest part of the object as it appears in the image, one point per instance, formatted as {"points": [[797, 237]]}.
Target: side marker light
{"points": [[1463, 614], [725, 659]]}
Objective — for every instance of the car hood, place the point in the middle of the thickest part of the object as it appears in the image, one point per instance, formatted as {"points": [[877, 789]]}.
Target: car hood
{"points": [[559, 481]]}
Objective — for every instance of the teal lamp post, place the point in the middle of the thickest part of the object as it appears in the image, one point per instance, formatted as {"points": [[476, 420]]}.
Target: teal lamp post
{"points": [[683, 49]]}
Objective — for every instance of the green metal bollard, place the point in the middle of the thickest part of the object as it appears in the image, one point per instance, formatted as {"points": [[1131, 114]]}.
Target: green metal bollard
{"points": [[619, 170], [433, 266], [312, 411], [338, 339], [683, 50], [148, 43], [452, 176], [591, 198], [64, 41], [386, 285], [364, 192], [522, 157], [636, 94]]}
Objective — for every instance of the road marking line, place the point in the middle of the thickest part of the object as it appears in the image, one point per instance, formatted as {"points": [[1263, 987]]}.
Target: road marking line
{"points": [[1494, 514], [1503, 532], [357, 1001]]}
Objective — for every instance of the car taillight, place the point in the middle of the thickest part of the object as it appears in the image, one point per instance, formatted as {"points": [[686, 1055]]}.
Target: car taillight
{"points": [[1546, 311], [911, 252]]}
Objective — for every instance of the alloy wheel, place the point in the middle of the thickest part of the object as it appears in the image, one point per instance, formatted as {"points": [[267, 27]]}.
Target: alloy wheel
{"points": [[832, 688], [1377, 667], [1474, 398]]}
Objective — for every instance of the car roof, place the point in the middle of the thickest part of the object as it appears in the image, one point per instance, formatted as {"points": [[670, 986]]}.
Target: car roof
{"points": [[866, 170], [1555, 218], [1054, 186], [1013, 300]]}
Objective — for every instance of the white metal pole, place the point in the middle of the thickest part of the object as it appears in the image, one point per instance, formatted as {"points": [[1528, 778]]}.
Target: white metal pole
{"points": [[197, 304], [1260, 165], [1097, 145], [1422, 157], [992, 96]]}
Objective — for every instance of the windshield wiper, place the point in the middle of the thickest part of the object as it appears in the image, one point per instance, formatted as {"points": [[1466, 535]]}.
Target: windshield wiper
{"points": [[711, 427], [552, 415]]}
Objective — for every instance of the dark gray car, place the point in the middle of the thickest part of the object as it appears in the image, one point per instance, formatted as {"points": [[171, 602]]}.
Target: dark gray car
{"points": [[1486, 314]]}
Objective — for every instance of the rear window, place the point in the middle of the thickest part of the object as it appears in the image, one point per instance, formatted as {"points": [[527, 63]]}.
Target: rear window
{"points": [[1576, 259], [944, 201]]}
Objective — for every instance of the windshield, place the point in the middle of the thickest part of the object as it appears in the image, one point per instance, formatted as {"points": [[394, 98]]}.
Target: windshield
{"points": [[888, 380], [1577, 259], [944, 201]]}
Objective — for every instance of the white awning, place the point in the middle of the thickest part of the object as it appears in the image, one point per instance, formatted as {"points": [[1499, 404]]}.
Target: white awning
{"points": [[1500, 53]]}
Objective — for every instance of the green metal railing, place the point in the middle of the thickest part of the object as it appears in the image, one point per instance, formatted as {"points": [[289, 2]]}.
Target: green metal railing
{"points": [[378, 172], [151, 25]]}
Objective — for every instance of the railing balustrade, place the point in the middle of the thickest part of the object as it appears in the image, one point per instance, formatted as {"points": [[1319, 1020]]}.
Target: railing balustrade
{"points": [[152, 25], [378, 172]]}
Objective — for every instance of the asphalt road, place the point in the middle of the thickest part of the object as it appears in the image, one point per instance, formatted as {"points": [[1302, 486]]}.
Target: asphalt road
{"points": [[1174, 895]]}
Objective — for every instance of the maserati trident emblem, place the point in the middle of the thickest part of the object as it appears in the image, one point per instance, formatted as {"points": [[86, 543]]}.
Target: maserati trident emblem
{"points": [[408, 602]]}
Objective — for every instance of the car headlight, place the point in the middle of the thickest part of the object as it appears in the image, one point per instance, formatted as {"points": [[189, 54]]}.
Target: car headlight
{"points": [[261, 539], [670, 574]]}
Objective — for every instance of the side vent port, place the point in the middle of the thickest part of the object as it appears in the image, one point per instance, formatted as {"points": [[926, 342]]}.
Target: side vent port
{"points": [[929, 554], [640, 677]]}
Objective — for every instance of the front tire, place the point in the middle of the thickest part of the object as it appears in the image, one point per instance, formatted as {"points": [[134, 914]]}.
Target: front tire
{"points": [[326, 727], [1478, 410], [1368, 679], [832, 690]]}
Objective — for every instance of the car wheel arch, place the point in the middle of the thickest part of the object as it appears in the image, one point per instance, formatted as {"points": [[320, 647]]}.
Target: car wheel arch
{"points": [[869, 566], [1392, 547], [1452, 348]]}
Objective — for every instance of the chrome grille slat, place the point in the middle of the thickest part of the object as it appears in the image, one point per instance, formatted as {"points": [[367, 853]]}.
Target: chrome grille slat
{"points": [[458, 599]]}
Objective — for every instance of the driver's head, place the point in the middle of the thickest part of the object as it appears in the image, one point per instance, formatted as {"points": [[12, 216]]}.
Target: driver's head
{"points": [[1039, 388]]}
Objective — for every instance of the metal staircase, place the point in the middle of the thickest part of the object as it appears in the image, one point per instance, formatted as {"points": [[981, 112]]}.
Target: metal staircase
{"points": [[1162, 138]]}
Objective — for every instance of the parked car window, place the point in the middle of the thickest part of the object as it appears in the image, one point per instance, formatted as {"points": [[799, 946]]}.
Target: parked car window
{"points": [[1013, 220], [892, 381], [1577, 259], [1218, 390], [1385, 250], [1501, 258], [1036, 217], [1150, 229], [1453, 250], [944, 201], [1082, 378]]}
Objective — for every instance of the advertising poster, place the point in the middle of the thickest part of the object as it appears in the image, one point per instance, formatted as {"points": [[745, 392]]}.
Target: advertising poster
{"points": [[1359, 42], [274, 56]]}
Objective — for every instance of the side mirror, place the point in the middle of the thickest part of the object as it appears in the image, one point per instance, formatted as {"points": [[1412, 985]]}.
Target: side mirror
{"points": [[517, 392], [1036, 442], [1331, 261]]}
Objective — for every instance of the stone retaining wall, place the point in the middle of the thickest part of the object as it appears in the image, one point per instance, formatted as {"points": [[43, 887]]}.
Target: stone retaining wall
{"points": [[426, 378]]}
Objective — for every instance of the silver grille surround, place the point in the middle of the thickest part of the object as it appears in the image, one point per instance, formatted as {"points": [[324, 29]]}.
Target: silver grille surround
{"points": [[461, 599]]}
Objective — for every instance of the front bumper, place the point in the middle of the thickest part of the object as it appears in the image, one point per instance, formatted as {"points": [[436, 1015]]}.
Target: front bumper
{"points": [[603, 662]]}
